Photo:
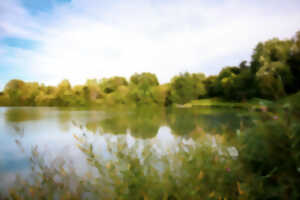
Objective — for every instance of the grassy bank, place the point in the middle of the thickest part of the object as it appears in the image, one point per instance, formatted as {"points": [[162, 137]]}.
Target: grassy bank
{"points": [[254, 103], [222, 103]]}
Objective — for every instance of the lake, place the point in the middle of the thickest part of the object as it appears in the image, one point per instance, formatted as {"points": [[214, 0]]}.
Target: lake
{"points": [[52, 130]]}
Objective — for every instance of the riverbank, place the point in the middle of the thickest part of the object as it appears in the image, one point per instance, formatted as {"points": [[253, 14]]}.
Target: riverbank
{"points": [[254, 103], [221, 103]]}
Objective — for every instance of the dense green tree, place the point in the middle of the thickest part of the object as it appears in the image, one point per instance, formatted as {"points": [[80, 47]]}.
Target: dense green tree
{"points": [[159, 94], [92, 91], [21, 93], [4, 99], [140, 87], [211, 86], [294, 62], [271, 58], [227, 81], [120, 96], [46, 96], [63, 94], [270, 82], [111, 84], [235, 83], [271, 51], [81, 96], [14, 89], [144, 80], [186, 87], [246, 87], [30, 93]]}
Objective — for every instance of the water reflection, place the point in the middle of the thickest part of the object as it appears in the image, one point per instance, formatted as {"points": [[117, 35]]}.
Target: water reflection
{"points": [[142, 122], [52, 130], [181, 121], [115, 124], [64, 118], [145, 122], [22, 114]]}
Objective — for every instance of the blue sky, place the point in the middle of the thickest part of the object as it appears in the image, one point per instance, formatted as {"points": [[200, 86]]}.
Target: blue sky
{"points": [[51, 40], [37, 6]]}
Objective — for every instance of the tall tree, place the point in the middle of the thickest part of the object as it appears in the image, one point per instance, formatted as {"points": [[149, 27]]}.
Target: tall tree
{"points": [[187, 87]]}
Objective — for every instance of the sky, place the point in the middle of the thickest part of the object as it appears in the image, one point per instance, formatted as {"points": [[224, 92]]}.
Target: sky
{"points": [[51, 40]]}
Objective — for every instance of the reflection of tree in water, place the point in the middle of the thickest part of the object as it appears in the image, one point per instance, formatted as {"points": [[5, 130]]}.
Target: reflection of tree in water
{"points": [[143, 122], [185, 121], [111, 122], [64, 118], [15, 116], [181, 121], [221, 122], [92, 126], [91, 119], [142, 128], [22, 114], [117, 124], [146, 121]]}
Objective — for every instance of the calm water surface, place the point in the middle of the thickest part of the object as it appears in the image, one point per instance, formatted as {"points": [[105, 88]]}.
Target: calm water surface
{"points": [[52, 131]]}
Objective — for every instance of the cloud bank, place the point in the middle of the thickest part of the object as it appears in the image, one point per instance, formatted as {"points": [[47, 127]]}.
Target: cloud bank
{"points": [[96, 39]]}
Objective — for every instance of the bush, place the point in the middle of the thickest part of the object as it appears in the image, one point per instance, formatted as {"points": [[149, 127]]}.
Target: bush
{"points": [[270, 155]]}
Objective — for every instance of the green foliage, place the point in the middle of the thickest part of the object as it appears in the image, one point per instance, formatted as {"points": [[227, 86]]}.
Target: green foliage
{"points": [[270, 156], [294, 61], [186, 87], [273, 72], [292, 102], [270, 63], [271, 51], [227, 80], [144, 80], [159, 94], [112, 84], [234, 83], [4, 99], [92, 91], [119, 97], [14, 89], [142, 88], [211, 86], [270, 81], [81, 95], [63, 94]]}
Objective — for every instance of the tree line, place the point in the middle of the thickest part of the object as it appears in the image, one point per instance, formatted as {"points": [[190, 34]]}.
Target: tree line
{"points": [[273, 72]]}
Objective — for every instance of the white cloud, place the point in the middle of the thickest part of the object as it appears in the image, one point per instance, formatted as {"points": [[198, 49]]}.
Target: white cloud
{"points": [[16, 22], [94, 40]]}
